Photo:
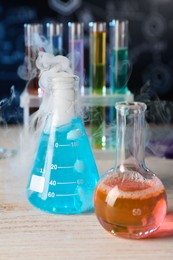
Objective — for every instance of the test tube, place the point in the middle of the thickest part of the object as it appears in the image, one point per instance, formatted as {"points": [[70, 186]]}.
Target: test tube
{"points": [[54, 34], [31, 34], [76, 51], [98, 83], [98, 57], [118, 56]]}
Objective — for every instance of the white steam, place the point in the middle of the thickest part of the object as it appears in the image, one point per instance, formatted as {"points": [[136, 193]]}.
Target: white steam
{"points": [[50, 67], [6, 102], [4, 131], [159, 134], [54, 67], [27, 71]]}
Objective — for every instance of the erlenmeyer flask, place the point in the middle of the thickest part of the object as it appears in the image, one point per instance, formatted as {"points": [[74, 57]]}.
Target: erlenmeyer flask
{"points": [[130, 201], [64, 173]]}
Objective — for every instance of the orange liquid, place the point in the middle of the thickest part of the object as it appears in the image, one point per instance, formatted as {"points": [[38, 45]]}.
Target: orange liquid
{"points": [[31, 57], [128, 208], [33, 86]]}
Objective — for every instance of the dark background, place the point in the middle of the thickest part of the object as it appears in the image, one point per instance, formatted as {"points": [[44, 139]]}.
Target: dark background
{"points": [[150, 45]]}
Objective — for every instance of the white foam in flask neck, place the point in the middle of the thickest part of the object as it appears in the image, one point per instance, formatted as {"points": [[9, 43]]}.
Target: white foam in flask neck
{"points": [[63, 100]]}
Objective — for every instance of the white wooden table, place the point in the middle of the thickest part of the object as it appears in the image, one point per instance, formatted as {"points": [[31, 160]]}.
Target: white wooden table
{"points": [[27, 233]]}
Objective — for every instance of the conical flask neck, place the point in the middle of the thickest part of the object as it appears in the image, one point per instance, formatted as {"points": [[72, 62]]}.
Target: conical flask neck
{"points": [[64, 102], [130, 134]]}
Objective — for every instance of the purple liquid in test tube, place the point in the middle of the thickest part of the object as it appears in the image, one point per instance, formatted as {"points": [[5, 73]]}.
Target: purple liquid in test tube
{"points": [[76, 51]]}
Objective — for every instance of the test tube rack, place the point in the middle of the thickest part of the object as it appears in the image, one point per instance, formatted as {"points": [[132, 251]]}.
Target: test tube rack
{"points": [[28, 101]]}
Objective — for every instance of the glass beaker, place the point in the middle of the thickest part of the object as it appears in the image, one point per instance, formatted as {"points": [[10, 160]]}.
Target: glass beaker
{"points": [[130, 200], [76, 51], [118, 56], [54, 34], [64, 173]]}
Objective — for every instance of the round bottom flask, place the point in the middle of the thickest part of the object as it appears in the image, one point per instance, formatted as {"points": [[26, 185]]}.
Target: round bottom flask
{"points": [[130, 201]]}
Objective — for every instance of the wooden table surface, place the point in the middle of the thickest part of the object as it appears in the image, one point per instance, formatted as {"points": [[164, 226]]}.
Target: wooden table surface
{"points": [[27, 233]]}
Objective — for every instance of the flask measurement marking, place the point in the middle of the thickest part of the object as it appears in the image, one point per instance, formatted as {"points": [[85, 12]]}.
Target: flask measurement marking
{"points": [[65, 167], [61, 145], [66, 195], [56, 167], [54, 182], [74, 144], [136, 212], [62, 183], [53, 195]]}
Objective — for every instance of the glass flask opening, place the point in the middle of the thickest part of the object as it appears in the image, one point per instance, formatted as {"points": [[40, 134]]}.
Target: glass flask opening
{"points": [[131, 106]]}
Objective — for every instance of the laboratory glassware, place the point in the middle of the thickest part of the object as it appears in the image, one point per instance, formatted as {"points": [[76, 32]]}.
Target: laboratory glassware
{"points": [[31, 34], [76, 51], [54, 34], [64, 172], [98, 83], [98, 57], [130, 200], [119, 65]]}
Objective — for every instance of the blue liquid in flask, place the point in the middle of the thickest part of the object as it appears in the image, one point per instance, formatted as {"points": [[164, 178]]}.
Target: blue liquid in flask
{"points": [[64, 173]]}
